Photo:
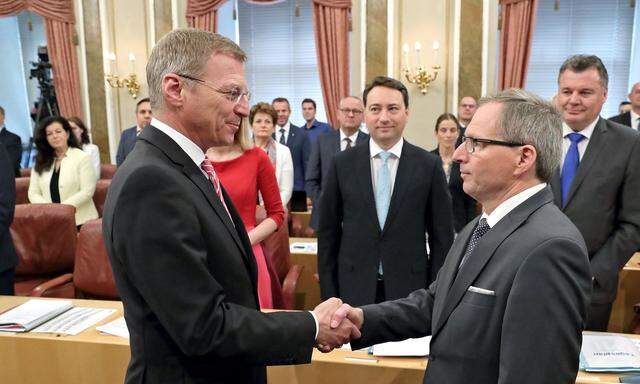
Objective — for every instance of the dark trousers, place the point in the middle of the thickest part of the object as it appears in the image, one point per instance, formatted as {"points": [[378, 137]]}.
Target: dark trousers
{"points": [[6, 282], [299, 201], [598, 317]]}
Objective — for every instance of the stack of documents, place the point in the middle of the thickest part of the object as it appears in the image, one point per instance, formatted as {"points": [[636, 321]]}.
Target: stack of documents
{"points": [[34, 312], [609, 353], [410, 347], [74, 321]]}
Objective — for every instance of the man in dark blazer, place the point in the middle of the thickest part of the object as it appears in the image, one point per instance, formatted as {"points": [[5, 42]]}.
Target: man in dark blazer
{"points": [[12, 144], [632, 117], [298, 142], [327, 145], [509, 304], [374, 214], [180, 255], [598, 183], [8, 257], [129, 135]]}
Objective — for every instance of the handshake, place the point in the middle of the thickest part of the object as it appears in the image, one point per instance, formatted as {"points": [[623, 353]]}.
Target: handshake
{"points": [[338, 324]]}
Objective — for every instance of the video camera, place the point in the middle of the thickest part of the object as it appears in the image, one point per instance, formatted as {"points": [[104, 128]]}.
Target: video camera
{"points": [[42, 68]]}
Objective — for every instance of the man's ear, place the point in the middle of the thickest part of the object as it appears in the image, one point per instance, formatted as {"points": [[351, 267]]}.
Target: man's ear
{"points": [[172, 90], [527, 159]]}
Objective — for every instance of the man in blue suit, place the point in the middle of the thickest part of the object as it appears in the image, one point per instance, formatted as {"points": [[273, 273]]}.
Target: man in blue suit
{"points": [[129, 135], [328, 144], [298, 142]]}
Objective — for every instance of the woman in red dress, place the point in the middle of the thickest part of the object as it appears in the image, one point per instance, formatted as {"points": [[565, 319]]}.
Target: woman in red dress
{"points": [[245, 170]]}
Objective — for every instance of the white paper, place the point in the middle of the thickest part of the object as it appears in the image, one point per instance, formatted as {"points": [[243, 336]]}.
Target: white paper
{"points": [[117, 327], [32, 313], [303, 247], [74, 321], [409, 347], [609, 352]]}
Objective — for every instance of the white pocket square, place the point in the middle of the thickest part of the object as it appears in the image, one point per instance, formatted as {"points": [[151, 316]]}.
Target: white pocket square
{"points": [[481, 291]]}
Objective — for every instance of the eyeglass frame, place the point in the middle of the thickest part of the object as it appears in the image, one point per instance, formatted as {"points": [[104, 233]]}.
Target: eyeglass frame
{"points": [[474, 143], [354, 111], [229, 95]]}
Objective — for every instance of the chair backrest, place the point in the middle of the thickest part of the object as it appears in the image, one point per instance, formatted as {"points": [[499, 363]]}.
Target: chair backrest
{"points": [[92, 273], [22, 190], [44, 236], [107, 171], [100, 194]]}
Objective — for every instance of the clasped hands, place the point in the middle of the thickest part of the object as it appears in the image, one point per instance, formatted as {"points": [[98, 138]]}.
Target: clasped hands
{"points": [[338, 324]]}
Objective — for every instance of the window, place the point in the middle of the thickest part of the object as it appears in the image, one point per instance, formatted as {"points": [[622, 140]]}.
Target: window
{"points": [[281, 54], [602, 28]]}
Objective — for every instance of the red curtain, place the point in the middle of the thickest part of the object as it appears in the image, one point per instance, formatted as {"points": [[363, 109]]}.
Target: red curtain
{"points": [[331, 29], [518, 21], [203, 14], [59, 23]]}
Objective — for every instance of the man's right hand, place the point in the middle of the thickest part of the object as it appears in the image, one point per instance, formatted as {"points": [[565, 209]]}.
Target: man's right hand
{"points": [[330, 337]]}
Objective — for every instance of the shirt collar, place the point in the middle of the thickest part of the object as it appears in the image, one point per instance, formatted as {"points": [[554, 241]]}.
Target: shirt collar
{"points": [[314, 124], [586, 132], [634, 116], [396, 150], [191, 149], [510, 204], [352, 137]]}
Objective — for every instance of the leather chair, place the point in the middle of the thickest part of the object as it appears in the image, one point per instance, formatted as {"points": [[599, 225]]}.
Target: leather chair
{"points": [[281, 269], [92, 276], [44, 236], [22, 190], [107, 171], [100, 194], [25, 172]]}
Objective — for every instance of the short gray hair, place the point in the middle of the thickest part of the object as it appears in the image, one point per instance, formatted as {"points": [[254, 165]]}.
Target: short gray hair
{"points": [[581, 63], [185, 51], [528, 119]]}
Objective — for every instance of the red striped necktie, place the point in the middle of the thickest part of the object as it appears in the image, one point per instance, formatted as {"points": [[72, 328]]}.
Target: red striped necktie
{"points": [[207, 166]]}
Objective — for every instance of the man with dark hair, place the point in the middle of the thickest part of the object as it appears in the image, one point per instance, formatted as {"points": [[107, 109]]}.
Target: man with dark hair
{"points": [[313, 127], [8, 257], [12, 144], [598, 181], [378, 201], [298, 142], [129, 135], [631, 118], [625, 106], [466, 108]]}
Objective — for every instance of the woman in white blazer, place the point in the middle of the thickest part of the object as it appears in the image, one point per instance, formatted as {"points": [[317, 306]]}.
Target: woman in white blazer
{"points": [[63, 172], [262, 118], [81, 133]]}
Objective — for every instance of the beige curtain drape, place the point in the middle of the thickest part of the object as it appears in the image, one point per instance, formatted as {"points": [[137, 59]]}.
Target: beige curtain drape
{"points": [[203, 14], [59, 24], [518, 21]]}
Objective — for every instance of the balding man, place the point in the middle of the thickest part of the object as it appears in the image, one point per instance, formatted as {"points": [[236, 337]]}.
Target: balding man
{"points": [[350, 114], [632, 117]]}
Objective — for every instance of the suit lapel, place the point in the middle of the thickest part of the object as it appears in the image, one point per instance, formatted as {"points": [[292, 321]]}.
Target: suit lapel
{"points": [[556, 189], [401, 183], [335, 143], [484, 251], [361, 138], [594, 148], [363, 175]]}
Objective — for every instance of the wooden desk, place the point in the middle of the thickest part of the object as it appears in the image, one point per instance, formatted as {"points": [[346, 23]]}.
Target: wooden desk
{"points": [[308, 288], [628, 294]]}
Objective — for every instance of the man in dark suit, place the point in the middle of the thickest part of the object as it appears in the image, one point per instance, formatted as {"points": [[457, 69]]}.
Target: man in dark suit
{"points": [[378, 201], [180, 255], [599, 179], [12, 144], [129, 135], [8, 257], [298, 142], [327, 145], [509, 304], [632, 117]]}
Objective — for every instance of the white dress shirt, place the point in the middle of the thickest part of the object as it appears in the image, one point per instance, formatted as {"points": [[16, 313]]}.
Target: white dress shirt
{"points": [[343, 142], [635, 120], [510, 204], [287, 128], [582, 145], [393, 161]]}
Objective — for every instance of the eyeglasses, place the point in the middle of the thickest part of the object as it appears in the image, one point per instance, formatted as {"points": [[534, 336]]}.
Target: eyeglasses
{"points": [[470, 143], [347, 111], [234, 94]]}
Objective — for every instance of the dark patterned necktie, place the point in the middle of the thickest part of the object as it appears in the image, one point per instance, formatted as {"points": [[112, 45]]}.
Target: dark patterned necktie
{"points": [[282, 139], [348, 140], [481, 229]]}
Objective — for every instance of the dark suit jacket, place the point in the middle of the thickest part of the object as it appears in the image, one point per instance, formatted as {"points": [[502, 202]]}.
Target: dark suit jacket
{"points": [[187, 276], [528, 331], [464, 206], [603, 203], [322, 152], [8, 257], [13, 145], [623, 118], [299, 145], [127, 142], [351, 242]]}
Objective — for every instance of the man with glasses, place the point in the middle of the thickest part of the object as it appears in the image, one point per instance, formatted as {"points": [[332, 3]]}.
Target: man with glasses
{"points": [[180, 255], [327, 145], [378, 201], [510, 302]]}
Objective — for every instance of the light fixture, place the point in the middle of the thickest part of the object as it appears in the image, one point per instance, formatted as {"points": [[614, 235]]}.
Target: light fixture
{"points": [[420, 76], [130, 82]]}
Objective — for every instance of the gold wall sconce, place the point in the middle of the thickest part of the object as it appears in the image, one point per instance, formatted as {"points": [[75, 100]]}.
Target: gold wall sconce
{"points": [[130, 82], [420, 76]]}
